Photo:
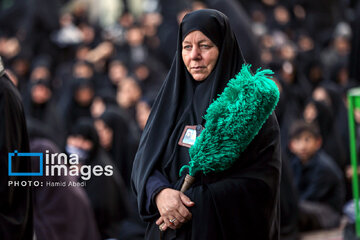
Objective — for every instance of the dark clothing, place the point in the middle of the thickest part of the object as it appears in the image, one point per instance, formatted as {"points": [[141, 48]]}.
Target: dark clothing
{"points": [[354, 59], [319, 181], [107, 194], [313, 216], [332, 142], [288, 202], [73, 109], [237, 203], [15, 202], [124, 141], [48, 116], [241, 202], [58, 211]]}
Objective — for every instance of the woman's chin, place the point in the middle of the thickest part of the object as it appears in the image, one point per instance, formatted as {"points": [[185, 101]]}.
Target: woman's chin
{"points": [[199, 77]]}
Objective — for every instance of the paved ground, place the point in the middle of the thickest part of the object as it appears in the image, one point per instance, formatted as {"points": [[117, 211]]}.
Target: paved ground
{"points": [[334, 234], [324, 235]]}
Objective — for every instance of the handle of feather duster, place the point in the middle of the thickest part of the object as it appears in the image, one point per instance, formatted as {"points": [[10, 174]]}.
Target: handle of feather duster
{"points": [[188, 181]]}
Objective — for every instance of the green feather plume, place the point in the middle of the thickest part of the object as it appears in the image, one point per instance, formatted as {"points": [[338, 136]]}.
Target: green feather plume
{"points": [[233, 120]]}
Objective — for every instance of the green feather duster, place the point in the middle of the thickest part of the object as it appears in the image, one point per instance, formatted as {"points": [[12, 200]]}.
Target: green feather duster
{"points": [[233, 120]]}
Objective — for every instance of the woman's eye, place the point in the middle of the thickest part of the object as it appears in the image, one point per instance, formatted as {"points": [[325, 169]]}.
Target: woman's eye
{"points": [[205, 46], [187, 47]]}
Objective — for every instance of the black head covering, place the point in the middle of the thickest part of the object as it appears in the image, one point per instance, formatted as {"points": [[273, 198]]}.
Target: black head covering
{"points": [[183, 101], [332, 143], [123, 144], [84, 127]]}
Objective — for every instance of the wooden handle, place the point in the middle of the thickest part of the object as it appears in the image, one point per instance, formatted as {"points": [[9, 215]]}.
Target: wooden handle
{"points": [[188, 181]]}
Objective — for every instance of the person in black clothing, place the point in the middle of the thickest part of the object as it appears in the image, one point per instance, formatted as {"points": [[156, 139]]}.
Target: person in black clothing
{"points": [[318, 179], [79, 101], [107, 194], [41, 108], [16, 217], [118, 139], [319, 113], [239, 203]]}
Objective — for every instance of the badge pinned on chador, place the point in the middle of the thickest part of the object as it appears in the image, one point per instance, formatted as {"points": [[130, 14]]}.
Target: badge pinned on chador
{"points": [[189, 135]]}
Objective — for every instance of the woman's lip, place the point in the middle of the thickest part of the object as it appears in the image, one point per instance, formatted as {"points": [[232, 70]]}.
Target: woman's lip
{"points": [[199, 67]]}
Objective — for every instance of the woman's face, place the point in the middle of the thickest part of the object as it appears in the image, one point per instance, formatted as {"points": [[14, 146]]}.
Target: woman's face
{"points": [[310, 113], [199, 54], [105, 134]]}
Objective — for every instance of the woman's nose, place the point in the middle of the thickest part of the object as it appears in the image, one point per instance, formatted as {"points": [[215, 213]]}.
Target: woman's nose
{"points": [[195, 53]]}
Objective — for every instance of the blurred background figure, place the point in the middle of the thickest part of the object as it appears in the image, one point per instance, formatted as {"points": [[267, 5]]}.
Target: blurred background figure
{"points": [[16, 214], [59, 210]]}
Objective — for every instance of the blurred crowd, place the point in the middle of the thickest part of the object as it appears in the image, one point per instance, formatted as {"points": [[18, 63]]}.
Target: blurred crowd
{"points": [[88, 72]]}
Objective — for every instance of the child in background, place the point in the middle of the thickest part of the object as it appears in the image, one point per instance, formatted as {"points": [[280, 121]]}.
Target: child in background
{"points": [[318, 179]]}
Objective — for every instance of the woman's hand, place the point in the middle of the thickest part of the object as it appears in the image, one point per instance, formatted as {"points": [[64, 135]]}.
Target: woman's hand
{"points": [[172, 206]]}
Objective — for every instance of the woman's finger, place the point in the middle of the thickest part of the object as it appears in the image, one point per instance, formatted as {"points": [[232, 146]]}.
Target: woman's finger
{"points": [[159, 221], [168, 223]]}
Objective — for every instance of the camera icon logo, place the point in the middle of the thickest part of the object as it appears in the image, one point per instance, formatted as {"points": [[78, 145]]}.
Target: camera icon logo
{"points": [[17, 154]]}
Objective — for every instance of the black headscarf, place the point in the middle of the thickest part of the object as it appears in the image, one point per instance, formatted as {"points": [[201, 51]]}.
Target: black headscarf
{"points": [[183, 101], [124, 141], [331, 139]]}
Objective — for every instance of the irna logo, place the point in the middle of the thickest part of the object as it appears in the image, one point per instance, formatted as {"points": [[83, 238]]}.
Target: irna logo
{"points": [[17, 154]]}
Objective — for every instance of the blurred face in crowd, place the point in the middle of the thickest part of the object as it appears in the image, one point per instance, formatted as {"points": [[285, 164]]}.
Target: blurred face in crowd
{"points": [[128, 93], [79, 142], [288, 72], [98, 107], [82, 70], [117, 72], [320, 94], [142, 113], [305, 146], [310, 113], [82, 52], [342, 45], [287, 52], [342, 76], [135, 36], [305, 43], [40, 94], [142, 72], [84, 96], [40, 72], [281, 15], [199, 54], [105, 134]]}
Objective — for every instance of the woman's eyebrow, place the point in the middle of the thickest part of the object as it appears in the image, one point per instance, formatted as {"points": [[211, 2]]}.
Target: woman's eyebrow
{"points": [[200, 41]]}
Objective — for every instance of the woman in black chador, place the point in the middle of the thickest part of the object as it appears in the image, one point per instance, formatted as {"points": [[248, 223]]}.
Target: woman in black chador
{"points": [[239, 203]]}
